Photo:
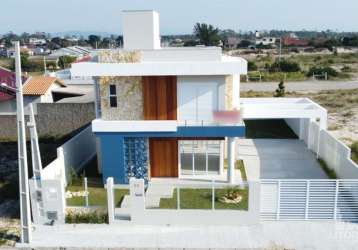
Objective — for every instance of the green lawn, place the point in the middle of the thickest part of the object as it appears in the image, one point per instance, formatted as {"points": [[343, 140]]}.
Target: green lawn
{"points": [[97, 196], [354, 149], [202, 199]]}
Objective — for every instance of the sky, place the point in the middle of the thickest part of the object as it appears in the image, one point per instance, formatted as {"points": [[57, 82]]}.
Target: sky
{"points": [[179, 16]]}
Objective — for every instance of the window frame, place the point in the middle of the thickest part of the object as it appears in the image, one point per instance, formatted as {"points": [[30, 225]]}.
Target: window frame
{"points": [[111, 95]]}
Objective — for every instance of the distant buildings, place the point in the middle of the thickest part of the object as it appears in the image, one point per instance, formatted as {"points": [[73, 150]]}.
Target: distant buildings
{"points": [[293, 40], [266, 41]]}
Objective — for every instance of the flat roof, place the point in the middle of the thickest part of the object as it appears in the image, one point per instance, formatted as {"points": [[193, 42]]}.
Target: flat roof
{"points": [[158, 68]]}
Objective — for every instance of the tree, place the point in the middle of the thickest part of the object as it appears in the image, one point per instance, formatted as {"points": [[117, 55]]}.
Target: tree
{"points": [[207, 34], [65, 61], [281, 90], [244, 44], [119, 41], [94, 40]]}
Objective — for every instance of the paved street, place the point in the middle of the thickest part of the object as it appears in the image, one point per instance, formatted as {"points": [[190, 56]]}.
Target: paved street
{"points": [[267, 235], [300, 86]]}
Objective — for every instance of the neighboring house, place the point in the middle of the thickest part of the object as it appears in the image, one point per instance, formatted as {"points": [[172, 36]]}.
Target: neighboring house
{"points": [[74, 51], [37, 41], [266, 41], [232, 42], [294, 41], [37, 89], [7, 77], [160, 108]]}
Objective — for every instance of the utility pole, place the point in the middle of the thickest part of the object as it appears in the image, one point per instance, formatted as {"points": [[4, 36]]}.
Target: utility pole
{"points": [[25, 216], [45, 66], [280, 50]]}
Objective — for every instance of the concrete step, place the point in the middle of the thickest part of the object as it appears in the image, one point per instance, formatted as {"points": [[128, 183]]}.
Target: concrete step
{"points": [[163, 191], [126, 202], [152, 201]]}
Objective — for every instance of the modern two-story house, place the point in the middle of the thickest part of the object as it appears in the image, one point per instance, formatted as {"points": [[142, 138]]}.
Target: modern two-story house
{"points": [[164, 112]]}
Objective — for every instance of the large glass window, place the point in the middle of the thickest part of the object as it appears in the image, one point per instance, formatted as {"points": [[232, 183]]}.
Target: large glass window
{"points": [[200, 157]]}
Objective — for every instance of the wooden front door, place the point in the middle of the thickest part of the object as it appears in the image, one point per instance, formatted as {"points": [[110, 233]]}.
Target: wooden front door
{"points": [[163, 157]]}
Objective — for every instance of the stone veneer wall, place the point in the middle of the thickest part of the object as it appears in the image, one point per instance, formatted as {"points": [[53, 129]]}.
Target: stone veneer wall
{"points": [[129, 88], [228, 92]]}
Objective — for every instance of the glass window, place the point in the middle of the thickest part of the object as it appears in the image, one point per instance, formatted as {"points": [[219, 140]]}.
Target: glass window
{"points": [[112, 96], [200, 157]]}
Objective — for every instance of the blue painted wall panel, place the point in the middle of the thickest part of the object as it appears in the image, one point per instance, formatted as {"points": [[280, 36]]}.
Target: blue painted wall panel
{"points": [[112, 157]]}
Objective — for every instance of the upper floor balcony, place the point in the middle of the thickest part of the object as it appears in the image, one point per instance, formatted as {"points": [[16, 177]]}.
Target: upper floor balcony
{"points": [[223, 123]]}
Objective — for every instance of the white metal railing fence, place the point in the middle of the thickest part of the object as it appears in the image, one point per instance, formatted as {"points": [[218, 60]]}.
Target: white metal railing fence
{"points": [[196, 195], [309, 200]]}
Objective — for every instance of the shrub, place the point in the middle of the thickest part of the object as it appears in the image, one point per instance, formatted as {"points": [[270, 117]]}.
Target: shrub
{"points": [[280, 91], [251, 66], [95, 217], [346, 69], [354, 150], [329, 172], [285, 66], [331, 72]]}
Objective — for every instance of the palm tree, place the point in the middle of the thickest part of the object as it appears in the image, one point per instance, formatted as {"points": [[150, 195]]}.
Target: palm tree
{"points": [[207, 34]]}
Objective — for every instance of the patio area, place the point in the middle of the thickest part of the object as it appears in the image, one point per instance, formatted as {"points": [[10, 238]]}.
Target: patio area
{"points": [[279, 159]]}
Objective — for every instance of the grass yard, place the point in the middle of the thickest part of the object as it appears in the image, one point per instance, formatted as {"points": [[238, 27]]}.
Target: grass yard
{"points": [[202, 199], [354, 149], [239, 164], [97, 196]]}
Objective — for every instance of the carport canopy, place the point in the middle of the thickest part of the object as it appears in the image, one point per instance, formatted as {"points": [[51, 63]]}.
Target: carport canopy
{"points": [[283, 108]]}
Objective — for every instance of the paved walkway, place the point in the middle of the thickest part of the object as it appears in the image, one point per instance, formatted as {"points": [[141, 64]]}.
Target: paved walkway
{"points": [[279, 159], [300, 86], [291, 235]]}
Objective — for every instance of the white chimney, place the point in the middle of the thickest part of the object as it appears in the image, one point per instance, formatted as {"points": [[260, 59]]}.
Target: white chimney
{"points": [[140, 29]]}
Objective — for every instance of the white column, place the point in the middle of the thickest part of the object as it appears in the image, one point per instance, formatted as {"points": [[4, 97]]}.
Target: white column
{"points": [[110, 200], [231, 160]]}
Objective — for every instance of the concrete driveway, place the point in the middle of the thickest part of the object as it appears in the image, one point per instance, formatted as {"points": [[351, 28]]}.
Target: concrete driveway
{"points": [[278, 159]]}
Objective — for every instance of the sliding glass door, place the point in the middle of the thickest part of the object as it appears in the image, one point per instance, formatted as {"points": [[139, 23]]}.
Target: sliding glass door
{"points": [[200, 157]]}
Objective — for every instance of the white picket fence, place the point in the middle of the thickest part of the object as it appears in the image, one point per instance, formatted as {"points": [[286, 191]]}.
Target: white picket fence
{"points": [[309, 200]]}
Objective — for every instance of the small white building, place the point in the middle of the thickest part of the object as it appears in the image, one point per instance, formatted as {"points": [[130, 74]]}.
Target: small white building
{"points": [[266, 41]]}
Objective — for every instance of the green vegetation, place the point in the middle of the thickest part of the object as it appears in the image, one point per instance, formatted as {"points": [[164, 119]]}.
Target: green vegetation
{"points": [[207, 34], [354, 151], [97, 196], [284, 66], [280, 91], [322, 70], [65, 61], [329, 172], [95, 217], [239, 164], [8, 237], [191, 198], [300, 67], [251, 66]]}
